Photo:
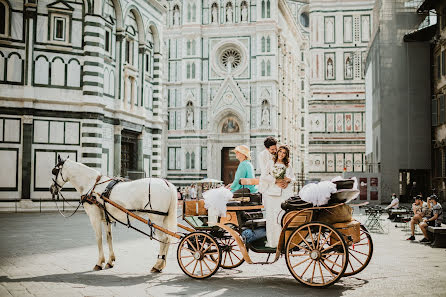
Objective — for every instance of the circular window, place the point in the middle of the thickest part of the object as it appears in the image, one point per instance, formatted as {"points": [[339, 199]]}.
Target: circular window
{"points": [[231, 57]]}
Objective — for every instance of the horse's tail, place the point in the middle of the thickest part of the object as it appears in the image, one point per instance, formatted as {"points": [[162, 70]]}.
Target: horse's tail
{"points": [[170, 222]]}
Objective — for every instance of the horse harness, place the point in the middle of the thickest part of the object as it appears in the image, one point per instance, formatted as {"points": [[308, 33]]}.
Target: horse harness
{"points": [[90, 198]]}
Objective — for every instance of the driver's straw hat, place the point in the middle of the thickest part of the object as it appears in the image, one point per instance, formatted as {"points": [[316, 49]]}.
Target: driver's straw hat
{"points": [[243, 149]]}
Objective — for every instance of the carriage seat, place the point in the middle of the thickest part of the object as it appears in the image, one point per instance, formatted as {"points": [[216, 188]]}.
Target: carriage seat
{"points": [[295, 203], [254, 198]]}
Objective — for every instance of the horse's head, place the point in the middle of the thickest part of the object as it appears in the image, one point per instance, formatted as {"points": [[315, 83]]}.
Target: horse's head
{"points": [[58, 180]]}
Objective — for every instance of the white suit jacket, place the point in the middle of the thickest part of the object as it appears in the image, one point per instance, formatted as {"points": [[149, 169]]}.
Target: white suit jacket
{"points": [[264, 158]]}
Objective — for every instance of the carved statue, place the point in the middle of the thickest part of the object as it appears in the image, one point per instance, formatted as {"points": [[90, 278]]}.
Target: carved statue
{"points": [[265, 116], [176, 16], [214, 17], [229, 13], [189, 117], [244, 12], [330, 68]]}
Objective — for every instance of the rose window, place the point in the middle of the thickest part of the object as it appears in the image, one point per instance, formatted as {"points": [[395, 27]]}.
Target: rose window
{"points": [[231, 56]]}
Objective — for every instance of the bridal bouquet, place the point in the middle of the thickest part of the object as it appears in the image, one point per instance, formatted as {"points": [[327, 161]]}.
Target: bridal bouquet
{"points": [[279, 172]]}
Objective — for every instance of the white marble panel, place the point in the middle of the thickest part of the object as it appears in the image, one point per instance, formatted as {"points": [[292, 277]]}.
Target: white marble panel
{"points": [[71, 133], [349, 162], [8, 159], [147, 166], [358, 162], [74, 74], [41, 131], [1, 129], [330, 162], [17, 25], [317, 122], [104, 164], [56, 132], [44, 163], [339, 162], [41, 71], [12, 130], [14, 68], [58, 73]]}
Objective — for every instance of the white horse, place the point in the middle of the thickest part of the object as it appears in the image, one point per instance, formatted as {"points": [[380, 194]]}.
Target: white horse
{"points": [[130, 195]]}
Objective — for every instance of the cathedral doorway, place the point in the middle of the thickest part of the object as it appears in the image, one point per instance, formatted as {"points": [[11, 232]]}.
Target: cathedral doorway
{"points": [[229, 164], [129, 152]]}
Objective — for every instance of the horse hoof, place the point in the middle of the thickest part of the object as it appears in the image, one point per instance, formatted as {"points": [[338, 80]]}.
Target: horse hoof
{"points": [[155, 270], [97, 268], [108, 266]]}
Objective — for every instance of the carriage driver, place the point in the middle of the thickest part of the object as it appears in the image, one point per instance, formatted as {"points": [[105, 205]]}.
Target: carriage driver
{"points": [[244, 170]]}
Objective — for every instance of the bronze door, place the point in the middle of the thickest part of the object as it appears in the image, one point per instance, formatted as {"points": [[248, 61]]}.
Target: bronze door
{"points": [[229, 164]]}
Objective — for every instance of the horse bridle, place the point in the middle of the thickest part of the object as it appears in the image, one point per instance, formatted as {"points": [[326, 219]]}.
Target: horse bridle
{"points": [[58, 188]]}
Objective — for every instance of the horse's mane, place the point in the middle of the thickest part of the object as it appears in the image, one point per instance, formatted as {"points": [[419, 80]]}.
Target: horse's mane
{"points": [[84, 166]]}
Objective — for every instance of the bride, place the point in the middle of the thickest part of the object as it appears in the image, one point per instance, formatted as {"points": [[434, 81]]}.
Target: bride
{"points": [[278, 175]]}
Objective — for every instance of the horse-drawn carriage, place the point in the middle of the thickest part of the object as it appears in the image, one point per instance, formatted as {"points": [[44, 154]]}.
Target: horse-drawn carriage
{"points": [[317, 253]]}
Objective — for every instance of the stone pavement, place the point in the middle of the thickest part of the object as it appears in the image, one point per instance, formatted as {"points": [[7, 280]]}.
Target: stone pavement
{"points": [[47, 255]]}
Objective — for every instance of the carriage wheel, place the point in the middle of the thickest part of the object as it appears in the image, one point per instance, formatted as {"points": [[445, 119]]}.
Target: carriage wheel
{"points": [[309, 253], [360, 253], [199, 255], [231, 255]]}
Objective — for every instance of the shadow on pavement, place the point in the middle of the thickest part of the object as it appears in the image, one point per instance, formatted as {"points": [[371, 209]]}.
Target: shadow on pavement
{"points": [[179, 284]]}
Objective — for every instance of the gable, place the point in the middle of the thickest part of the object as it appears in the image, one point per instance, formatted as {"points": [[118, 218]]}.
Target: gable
{"points": [[61, 5]]}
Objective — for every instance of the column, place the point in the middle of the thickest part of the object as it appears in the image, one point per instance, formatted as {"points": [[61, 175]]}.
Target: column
{"points": [[26, 156], [117, 151]]}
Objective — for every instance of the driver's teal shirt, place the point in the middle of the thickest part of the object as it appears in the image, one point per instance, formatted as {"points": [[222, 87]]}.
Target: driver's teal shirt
{"points": [[244, 170]]}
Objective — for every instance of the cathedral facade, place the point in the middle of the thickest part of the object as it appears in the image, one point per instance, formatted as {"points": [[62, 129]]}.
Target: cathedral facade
{"points": [[81, 79], [235, 74], [340, 33]]}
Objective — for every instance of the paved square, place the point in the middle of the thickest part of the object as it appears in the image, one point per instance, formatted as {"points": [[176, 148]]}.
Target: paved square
{"points": [[47, 255]]}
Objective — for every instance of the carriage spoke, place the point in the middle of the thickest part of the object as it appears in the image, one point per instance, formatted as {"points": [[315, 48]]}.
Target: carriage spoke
{"points": [[188, 256], [300, 247], [202, 245], [314, 268], [326, 238], [236, 256], [210, 258], [311, 236], [307, 268], [206, 264], [358, 252], [201, 267], [334, 263], [332, 254], [357, 244], [320, 269], [191, 245], [195, 266], [328, 269], [331, 246], [350, 264], [224, 258], [318, 237], [356, 259], [230, 258], [303, 239], [301, 262], [189, 263]]}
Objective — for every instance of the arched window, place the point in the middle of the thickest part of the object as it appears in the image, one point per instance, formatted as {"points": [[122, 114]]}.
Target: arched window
{"points": [[194, 12], [268, 9], [268, 68], [188, 70], [193, 71], [187, 160], [189, 12], [188, 47], [192, 160], [263, 68], [4, 18], [263, 9], [193, 47], [263, 44], [176, 15], [302, 122], [268, 44]]}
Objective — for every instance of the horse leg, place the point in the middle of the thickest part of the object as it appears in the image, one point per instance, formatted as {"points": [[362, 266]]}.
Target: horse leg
{"points": [[95, 220], [111, 257], [164, 248]]}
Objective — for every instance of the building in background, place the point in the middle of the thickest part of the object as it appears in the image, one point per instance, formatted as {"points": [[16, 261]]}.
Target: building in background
{"points": [[235, 74], [398, 136], [436, 34], [80, 79], [339, 34]]}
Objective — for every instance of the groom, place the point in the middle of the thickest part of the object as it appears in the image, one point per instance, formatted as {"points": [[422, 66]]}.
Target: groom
{"points": [[264, 157]]}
